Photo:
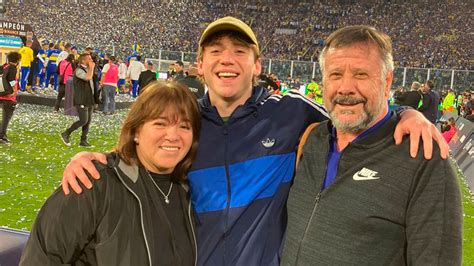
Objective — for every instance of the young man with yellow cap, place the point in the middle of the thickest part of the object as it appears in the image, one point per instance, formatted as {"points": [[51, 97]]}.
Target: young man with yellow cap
{"points": [[245, 164]]}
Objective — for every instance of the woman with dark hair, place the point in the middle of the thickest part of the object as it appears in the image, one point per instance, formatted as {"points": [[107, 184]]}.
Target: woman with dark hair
{"points": [[139, 212], [8, 93]]}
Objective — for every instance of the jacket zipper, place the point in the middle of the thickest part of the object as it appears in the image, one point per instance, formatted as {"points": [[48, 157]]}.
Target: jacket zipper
{"points": [[192, 231], [141, 215], [316, 202], [307, 226], [227, 173]]}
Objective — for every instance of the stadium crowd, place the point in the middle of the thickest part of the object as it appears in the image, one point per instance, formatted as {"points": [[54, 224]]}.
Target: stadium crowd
{"points": [[425, 35]]}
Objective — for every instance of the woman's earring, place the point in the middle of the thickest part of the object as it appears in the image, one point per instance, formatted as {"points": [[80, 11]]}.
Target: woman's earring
{"points": [[136, 140]]}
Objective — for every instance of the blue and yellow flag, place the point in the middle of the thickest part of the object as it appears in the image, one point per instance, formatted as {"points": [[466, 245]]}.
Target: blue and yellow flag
{"points": [[136, 48]]}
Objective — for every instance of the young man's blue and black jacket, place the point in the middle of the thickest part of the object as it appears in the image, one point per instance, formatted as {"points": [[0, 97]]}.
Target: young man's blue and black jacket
{"points": [[242, 174]]}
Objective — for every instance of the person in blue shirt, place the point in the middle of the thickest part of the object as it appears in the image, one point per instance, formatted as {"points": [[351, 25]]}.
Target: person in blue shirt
{"points": [[51, 65], [41, 67], [132, 58]]}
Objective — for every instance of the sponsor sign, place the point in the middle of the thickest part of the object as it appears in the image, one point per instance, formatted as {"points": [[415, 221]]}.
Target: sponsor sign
{"points": [[8, 28], [10, 42]]}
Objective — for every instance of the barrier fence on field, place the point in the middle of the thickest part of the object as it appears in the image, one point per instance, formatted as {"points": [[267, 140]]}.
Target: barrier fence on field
{"points": [[461, 146], [459, 80], [11, 245]]}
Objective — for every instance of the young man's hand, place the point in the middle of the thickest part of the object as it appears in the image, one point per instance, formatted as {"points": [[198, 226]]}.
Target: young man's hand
{"points": [[76, 168], [415, 124]]}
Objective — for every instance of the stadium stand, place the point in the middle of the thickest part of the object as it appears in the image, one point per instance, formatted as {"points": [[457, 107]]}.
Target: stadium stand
{"points": [[426, 35]]}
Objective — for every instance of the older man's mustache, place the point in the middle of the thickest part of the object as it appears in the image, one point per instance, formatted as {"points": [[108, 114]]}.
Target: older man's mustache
{"points": [[348, 100]]}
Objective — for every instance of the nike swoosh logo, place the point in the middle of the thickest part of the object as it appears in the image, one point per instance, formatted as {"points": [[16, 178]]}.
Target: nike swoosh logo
{"points": [[358, 177]]}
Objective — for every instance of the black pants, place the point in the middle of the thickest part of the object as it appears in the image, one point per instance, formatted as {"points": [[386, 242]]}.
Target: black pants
{"points": [[61, 94], [8, 107], [85, 117]]}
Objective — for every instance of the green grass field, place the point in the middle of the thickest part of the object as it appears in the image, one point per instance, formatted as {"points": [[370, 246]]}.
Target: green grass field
{"points": [[31, 168]]}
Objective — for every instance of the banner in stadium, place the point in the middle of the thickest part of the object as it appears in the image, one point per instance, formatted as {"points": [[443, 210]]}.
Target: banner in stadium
{"points": [[464, 130], [465, 160], [464, 155], [13, 35], [16, 29], [9, 41]]}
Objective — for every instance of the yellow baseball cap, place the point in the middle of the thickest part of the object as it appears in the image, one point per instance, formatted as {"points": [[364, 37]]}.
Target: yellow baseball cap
{"points": [[229, 23]]}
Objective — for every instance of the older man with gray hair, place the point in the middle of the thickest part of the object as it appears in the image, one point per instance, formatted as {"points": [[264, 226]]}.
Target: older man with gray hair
{"points": [[412, 98], [358, 198]]}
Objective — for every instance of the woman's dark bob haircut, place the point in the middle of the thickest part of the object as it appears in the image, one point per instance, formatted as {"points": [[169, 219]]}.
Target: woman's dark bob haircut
{"points": [[153, 101]]}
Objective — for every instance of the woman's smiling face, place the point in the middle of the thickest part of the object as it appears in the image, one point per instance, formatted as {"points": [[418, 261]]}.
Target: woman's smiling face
{"points": [[163, 142]]}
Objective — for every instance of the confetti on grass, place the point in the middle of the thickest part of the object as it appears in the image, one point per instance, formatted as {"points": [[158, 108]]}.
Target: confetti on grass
{"points": [[31, 167]]}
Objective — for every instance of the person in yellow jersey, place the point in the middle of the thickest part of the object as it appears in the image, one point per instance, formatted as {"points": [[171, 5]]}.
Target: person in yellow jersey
{"points": [[314, 92], [26, 58], [448, 102]]}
